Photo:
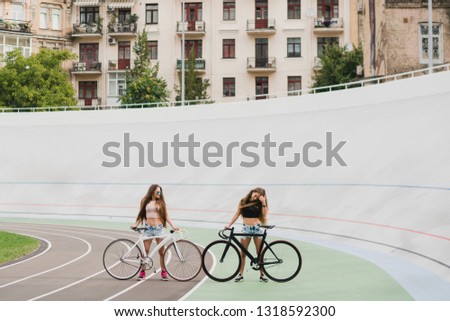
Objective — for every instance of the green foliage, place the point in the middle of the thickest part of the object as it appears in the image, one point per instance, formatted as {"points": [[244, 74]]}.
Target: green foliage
{"points": [[195, 87], [15, 246], [36, 81], [338, 66], [142, 81]]}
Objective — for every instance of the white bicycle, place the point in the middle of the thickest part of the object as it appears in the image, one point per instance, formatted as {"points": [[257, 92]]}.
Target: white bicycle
{"points": [[123, 258]]}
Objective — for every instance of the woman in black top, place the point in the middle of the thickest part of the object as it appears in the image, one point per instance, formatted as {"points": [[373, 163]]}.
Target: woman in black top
{"points": [[253, 208]]}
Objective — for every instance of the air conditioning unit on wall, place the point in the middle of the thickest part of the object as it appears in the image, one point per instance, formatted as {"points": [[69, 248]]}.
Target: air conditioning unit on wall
{"points": [[360, 6], [112, 41]]}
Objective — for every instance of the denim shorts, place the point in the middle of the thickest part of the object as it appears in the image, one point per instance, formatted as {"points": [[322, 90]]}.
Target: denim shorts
{"points": [[157, 230], [251, 229]]}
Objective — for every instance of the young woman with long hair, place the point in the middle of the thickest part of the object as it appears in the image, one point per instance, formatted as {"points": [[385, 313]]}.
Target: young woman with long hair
{"points": [[154, 216], [253, 209]]}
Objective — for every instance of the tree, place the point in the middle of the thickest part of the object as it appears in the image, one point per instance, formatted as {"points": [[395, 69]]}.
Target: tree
{"points": [[195, 87], [338, 66], [142, 82], [36, 81]]}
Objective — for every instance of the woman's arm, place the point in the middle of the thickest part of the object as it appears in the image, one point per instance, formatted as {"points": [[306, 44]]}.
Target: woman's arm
{"points": [[235, 216], [168, 220]]}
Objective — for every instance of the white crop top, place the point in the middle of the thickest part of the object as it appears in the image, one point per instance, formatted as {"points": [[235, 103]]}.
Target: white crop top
{"points": [[151, 211]]}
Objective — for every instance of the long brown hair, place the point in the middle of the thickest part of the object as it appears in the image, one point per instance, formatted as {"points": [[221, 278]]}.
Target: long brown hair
{"points": [[245, 202], [160, 205]]}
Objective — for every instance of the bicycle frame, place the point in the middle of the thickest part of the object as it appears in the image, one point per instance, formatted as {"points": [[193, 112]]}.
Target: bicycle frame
{"points": [[140, 243], [253, 260]]}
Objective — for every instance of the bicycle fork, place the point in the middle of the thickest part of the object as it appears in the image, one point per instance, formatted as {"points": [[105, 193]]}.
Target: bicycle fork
{"points": [[178, 252], [225, 251]]}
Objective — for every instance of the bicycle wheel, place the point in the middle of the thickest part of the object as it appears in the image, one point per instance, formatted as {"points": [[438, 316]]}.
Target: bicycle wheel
{"points": [[119, 261], [282, 261], [226, 261], [183, 260]]}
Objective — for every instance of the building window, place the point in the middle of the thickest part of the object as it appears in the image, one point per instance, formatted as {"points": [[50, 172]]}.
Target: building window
{"points": [[294, 85], [294, 11], [328, 9], [151, 14], [89, 15], [87, 91], [56, 19], [117, 84], [262, 87], [43, 18], [229, 48], [10, 43], [124, 15], [437, 43], [294, 47], [17, 12], [153, 50], [195, 46], [89, 55], [229, 10], [325, 41], [229, 87]]}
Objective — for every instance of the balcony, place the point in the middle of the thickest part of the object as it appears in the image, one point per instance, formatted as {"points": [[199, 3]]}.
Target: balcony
{"points": [[89, 102], [261, 65], [333, 25], [120, 65], [86, 68], [92, 30], [122, 29], [200, 65], [15, 25], [261, 27], [191, 28]]}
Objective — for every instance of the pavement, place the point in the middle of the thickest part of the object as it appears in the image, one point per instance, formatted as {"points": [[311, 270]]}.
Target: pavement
{"points": [[68, 267]]}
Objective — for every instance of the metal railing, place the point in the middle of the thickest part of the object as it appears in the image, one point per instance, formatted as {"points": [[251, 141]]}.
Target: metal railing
{"points": [[261, 25], [82, 66], [306, 91], [333, 23], [191, 26], [15, 25], [257, 63], [200, 64]]}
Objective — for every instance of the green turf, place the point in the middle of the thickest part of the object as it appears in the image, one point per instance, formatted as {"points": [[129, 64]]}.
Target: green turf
{"points": [[14, 246]]}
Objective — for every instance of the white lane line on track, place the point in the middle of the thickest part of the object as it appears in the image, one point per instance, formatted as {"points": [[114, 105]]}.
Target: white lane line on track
{"points": [[66, 287], [43, 229], [57, 267], [33, 257], [131, 287]]}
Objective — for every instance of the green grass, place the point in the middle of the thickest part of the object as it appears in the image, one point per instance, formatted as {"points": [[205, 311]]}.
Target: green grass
{"points": [[13, 246]]}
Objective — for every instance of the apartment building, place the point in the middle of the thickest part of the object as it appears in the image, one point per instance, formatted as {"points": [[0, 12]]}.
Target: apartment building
{"points": [[395, 35], [243, 47]]}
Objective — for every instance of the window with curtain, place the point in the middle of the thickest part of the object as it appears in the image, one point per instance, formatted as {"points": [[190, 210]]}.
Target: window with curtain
{"points": [[56, 19], [43, 18]]}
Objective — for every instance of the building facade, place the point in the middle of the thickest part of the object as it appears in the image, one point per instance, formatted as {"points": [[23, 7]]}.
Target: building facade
{"points": [[395, 35], [243, 47]]}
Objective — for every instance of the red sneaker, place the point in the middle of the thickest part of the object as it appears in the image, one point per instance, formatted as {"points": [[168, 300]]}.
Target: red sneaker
{"points": [[141, 275], [164, 275]]}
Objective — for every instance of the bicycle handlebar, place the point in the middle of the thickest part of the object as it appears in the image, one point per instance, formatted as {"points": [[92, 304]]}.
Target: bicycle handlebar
{"points": [[224, 236]]}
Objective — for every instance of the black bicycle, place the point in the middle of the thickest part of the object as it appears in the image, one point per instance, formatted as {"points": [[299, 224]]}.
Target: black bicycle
{"points": [[280, 260]]}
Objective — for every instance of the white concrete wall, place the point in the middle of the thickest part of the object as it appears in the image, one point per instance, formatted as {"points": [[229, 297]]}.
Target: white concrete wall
{"points": [[394, 190]]}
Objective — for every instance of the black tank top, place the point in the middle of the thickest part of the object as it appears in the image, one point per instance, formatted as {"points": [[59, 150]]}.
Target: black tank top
{"points": [[251, 211]]}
